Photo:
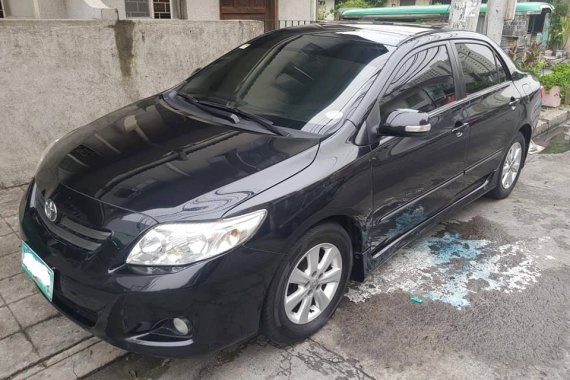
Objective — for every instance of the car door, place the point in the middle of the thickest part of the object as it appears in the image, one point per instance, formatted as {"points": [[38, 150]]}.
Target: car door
{"points": [[492, 110], [415, 177]]}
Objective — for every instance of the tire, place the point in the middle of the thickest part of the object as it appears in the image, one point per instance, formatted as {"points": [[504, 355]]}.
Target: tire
{"points": [[285, 325], [504, 188]]}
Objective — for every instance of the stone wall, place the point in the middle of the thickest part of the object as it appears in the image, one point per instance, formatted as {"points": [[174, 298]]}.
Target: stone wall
{"points": [[517, 27], [60, 74]]}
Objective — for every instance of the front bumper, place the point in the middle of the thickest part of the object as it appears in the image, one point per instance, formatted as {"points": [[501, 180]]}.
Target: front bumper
{"points": [[222, 297]]}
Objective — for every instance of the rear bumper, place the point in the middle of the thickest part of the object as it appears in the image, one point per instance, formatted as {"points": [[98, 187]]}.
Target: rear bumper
{"points": [[221, 298]]}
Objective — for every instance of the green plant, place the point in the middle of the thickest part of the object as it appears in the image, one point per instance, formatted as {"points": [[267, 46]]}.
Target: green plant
{"points": [[536, 68], [359, 3], [560, 76], [324, 12], [555, 32], [376, 3], [528, 59], [353, 4], [564, 31]]}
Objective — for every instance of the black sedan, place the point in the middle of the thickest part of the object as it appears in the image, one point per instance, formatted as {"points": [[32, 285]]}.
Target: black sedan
{"points": [[245, 198]]}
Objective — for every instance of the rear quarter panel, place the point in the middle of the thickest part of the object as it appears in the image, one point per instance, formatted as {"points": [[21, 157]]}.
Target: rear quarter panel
{"points": [[531, 98]]}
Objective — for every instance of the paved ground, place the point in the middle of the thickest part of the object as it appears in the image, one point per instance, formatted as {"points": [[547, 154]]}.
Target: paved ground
{"points": [[494, 280], [35, 341]]}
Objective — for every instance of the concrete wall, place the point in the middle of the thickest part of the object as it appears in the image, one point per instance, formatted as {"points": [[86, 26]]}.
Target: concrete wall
{"points": [[59, 75], [119, 5], [90, 9], [202, 9], [20, 8], [297, 10], [517, 27], [51, 9]]}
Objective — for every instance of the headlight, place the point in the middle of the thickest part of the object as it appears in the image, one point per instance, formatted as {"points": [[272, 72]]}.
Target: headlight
{"points": [[185, 243]]}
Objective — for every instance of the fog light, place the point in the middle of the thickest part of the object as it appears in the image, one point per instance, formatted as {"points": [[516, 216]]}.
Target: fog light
{"points": [[182, 325]]}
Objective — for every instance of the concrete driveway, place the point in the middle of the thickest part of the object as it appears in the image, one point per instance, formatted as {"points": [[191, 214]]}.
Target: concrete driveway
{"points": [[495, 286]]}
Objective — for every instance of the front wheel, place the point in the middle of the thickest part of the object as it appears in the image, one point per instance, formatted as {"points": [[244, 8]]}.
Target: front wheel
{"points": [[510, 168], [309, 285]]}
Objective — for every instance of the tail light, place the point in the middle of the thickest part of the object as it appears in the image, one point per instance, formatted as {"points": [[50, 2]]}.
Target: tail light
{"points": [[542, 91]]}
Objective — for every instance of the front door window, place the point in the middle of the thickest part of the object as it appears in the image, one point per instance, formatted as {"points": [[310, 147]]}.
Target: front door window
{"points": [[423, 83]]}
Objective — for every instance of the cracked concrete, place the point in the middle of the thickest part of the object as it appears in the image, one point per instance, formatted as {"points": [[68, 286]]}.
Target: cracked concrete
{"points": [[505, 263]]}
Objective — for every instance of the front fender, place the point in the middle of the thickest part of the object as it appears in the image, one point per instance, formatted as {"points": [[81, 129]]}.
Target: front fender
{"points": [[336, 184]]}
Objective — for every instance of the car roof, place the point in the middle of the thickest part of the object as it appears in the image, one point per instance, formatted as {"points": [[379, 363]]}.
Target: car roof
{"points": [[386, 33]]}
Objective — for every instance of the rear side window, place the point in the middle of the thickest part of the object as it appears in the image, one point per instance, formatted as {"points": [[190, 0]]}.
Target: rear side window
{"points": [[424, 82], [480, 68]]}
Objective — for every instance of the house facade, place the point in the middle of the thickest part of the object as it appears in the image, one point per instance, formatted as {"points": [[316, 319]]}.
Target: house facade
{"points": [[263, 10], [272, 12]]}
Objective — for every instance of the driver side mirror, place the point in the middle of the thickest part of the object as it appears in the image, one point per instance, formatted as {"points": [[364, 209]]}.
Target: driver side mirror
{"points": [[406, 123]]}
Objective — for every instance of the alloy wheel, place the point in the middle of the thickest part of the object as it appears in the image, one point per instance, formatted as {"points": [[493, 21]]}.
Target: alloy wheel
{"points": [[313, 283], [512, 165]]}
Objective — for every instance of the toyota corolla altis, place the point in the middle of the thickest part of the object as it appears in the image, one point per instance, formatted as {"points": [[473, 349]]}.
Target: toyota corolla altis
{"points": [[245, 198]]}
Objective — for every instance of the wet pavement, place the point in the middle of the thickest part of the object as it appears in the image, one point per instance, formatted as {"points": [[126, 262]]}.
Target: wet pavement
{"points": [[494, 287], [556, 140], [559, 143]]}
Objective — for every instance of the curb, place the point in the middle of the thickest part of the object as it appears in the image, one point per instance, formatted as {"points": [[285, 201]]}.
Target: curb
{"points": [[551, 118]]}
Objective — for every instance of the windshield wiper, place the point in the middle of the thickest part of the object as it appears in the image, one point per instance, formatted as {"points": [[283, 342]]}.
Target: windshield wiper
{"points": [[234, 112], [198, 103]]}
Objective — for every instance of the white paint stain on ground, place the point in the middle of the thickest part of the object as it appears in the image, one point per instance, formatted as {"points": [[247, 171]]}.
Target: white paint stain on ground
{"points": [[451, 269]]}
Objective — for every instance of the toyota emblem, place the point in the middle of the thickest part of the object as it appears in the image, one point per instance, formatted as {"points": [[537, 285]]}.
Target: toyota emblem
{"points": [[51, 210]]}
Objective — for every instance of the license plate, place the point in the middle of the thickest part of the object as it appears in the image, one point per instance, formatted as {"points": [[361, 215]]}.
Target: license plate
{"points": [[38, 270]]}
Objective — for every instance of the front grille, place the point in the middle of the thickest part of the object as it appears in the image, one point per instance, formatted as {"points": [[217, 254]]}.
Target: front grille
{"points": [[68, 230]]}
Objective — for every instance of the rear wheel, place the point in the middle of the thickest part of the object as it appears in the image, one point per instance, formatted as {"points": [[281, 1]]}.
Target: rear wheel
{"points": [[308, 287], [510, 168]]}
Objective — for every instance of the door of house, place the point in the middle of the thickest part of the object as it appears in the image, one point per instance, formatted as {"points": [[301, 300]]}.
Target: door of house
{"points": [[263, 10]]}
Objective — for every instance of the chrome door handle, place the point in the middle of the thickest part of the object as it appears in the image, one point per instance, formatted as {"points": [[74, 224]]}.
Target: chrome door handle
{"points": [[513, 103], [458, 130]]}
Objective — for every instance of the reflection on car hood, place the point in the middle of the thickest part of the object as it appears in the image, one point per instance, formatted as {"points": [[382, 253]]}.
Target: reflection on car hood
{"points": [[150, 158]]}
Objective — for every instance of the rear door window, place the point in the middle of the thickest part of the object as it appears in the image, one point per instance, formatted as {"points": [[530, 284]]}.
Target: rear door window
{"points": [[479, 65], [500, 70]]}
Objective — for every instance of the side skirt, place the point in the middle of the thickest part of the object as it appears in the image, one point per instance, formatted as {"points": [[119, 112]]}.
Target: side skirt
{"points": [[367, 261]]}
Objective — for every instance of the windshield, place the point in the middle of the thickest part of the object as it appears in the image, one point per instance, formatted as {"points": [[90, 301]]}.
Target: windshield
{"points": [[298, 81]]}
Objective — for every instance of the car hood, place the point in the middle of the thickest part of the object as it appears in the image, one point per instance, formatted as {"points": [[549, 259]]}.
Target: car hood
{"points": [[154, 159]]}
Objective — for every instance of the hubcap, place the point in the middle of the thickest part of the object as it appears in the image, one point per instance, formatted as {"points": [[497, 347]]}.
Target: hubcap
{"points": [[313, 283], [511, 165]]}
